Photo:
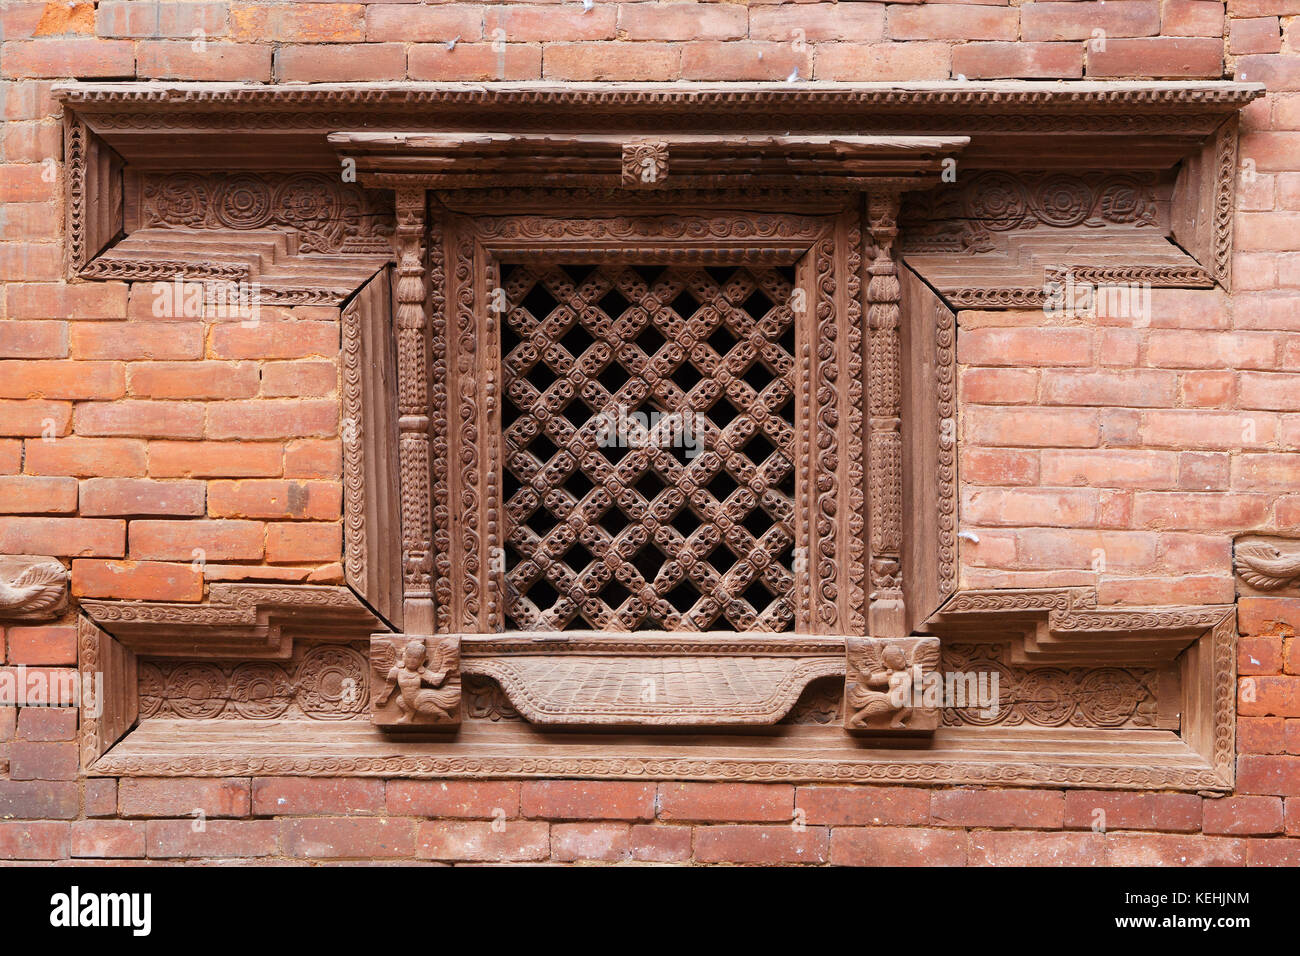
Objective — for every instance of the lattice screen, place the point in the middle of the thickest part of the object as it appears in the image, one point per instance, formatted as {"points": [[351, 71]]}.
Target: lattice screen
{"points": [[649, 434]]}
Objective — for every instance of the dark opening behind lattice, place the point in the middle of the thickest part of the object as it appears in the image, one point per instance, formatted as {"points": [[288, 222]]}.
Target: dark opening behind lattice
{"points": [[683, 526]]}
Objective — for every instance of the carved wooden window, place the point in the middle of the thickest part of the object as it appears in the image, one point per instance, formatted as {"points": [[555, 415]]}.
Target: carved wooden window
{"points": [[504, 285]]}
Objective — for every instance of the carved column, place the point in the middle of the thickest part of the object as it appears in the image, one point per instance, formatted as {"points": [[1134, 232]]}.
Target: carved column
{"points": [[885, 616], [413, 412]]}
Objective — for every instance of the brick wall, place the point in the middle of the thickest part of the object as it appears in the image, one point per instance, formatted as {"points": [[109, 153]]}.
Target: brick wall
{"points": [[171, 435]]}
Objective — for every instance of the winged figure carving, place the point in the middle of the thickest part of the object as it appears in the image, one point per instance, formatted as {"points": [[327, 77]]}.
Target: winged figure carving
{"points": [[37, 589], [420, 678], [1267, 568], [882, 685]]}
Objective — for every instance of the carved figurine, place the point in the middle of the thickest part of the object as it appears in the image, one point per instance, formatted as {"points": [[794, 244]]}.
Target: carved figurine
{"points": [[32, 587], [884, 688], [427, 690], [1267, 567]]}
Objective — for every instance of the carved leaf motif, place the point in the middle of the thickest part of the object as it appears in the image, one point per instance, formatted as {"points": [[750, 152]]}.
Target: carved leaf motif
{"points": [[1267, 568], [38, 588]]}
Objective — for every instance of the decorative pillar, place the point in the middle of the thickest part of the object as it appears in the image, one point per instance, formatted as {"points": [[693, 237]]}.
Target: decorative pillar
{"points": [[885, 616]]}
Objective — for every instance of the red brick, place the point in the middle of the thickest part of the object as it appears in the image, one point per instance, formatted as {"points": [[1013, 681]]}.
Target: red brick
{"points": [[522, 22], [999, 466], [138, 497], [108, 839], [726, 802], [202, 380], [950, 21], [34, 841], [1270, 696], [182, 796], [1018, 60], [1077, 21], [1208, 389], [481, 841], [1164, 849], [811, 23], [49, 420], [1203, 471], [607, 842], [40, 799], [85, 457], [348, 837], [314, 542], [84, 58], [178, 540], [33, 340], [140, 419], [137, 580], [1257, 35], [1016, 848], [150, 18], [893, 62], [469, 62], [660, 844], [230, 839], [1192, 18], [1259, 655], [588, 800], [178, 60], [863, 806], [1033, 427], [1185, 429], [47, 724], [313, 458], [60, 536], [303, 379], [275, 418], [42, 644], [1243, 816], [47, 300], [315, 500], [301, 23], [897, 846], [483, 799], [998, 808], [283, 796], [30, 760], [1158, 57], [1198, 512], [762, 844], [999, 386], [1171, 589], [1130, 387], [21, 494], [1110, 468], [1030, 506], [1273, 853], [319, 64], [135, 340], [1261, 735], [100, 797], [612, 61], [214, 459], [1268, 775]]}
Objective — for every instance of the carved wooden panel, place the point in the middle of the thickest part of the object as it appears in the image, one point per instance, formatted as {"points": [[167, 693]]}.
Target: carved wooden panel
{"points": [[416, 682], [32, 588], [889, 685], [649, 444], [1267, 564]]}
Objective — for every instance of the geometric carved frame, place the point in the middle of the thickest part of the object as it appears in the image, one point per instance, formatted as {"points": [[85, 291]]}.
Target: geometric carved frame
{"points": [[1203, 648]]}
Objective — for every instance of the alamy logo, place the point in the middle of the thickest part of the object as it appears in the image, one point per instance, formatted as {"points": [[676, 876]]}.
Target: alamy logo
{"points": [[76, 909]]}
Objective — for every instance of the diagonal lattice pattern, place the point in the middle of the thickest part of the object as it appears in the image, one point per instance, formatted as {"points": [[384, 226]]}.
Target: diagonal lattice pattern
{"points": [[649, 438]]}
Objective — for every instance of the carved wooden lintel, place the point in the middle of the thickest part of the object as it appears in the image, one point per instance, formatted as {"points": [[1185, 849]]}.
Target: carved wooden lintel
{"points": [[890, 685], [32, 588], [415, 681], [253, 621]]}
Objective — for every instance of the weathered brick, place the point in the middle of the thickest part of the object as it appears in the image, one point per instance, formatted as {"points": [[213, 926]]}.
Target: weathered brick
{"points": [[314, 500], [606, 842], [137, 580], [1165, 849], [863, 806], [22, 494], [897, 846], [285, 796], [38, 799], [588, 800], [1018, 59], [314, 542], [182, 797], [468, 62], [348, 837], [762, 844], [108, 839], [1158, 57], [726, 802], [1243, 816], [1105, 810], [34, 841], [214, 459], [47, 724], [84, 537], [229, 839], [660, 844], [1017, 848], [484, 799], [998, 808], [30, 760], [140, 497], [193, 380], [472, 840], [179, 540]]}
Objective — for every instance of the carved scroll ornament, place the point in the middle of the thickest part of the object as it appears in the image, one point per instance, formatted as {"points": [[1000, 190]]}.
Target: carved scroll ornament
{"points": [[32, 588]]}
